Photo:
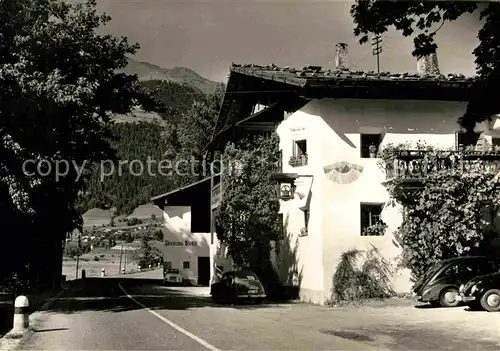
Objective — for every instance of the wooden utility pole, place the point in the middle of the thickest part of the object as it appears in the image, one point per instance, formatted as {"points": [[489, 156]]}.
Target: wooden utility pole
{"points": [[78, 252], [377, 49]]}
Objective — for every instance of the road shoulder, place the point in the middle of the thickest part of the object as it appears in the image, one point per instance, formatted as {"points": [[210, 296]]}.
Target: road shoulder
{"points": [[11, 340]]}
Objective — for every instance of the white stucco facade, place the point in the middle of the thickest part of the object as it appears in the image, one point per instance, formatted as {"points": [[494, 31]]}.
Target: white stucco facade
{"points": [[332, 129], [181, 246]]}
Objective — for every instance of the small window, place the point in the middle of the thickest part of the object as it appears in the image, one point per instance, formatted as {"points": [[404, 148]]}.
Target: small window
{"points": [[370, 215], [469, 267], [369, 143], [495, 141], [486, 266], [186, 264], [300, 148], [466, 139], [299, 154]]}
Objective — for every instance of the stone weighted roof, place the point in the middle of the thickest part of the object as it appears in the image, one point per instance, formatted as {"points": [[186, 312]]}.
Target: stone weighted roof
{"points": [[290, 75], [317, 82]]}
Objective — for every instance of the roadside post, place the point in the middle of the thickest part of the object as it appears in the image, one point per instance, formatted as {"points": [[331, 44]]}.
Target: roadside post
{"points": [[21, 314], [103, 272]]}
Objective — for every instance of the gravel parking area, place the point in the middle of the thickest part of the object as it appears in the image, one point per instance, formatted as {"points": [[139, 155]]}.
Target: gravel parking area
{"points": [[395, 324], [400, 324]]}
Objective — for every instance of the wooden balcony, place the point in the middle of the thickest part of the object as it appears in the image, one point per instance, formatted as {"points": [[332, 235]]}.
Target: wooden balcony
{"points": [[413, 166]]}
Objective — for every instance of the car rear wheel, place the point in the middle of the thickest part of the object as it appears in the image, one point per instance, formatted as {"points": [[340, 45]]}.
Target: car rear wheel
{"points": [[490, 300], [448, 297]]}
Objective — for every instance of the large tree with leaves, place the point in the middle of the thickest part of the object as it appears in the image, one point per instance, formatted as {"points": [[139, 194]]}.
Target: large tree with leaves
{"points": [[248, 220], [58, 88], [422, 20]]}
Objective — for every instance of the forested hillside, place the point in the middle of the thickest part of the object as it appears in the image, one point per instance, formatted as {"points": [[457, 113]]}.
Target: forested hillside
{"points": [[133, 141], [190, 122], [176, 97]]}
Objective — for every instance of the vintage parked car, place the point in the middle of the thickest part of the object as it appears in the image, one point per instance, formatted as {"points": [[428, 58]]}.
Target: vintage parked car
{"points": [[172, 276], [440, 284], [482, 292], [235, 286]]}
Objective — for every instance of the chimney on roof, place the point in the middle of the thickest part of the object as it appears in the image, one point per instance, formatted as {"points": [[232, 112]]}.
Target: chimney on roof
{"points": [[341, 56], [428, 65]]}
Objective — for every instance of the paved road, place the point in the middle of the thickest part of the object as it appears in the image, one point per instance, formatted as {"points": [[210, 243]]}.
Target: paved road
{"points": [[101, 316]]}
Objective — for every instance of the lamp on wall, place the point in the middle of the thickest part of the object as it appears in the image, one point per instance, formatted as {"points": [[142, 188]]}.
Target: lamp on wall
{"points": [[286, 185], [287, 190]]}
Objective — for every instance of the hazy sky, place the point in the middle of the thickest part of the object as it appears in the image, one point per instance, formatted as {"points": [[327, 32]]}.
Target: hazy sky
{"points": [[208, 35]]}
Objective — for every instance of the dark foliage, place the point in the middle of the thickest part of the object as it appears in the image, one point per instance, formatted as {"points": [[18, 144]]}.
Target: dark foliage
{"points": [[422, 20], [58, 87]]}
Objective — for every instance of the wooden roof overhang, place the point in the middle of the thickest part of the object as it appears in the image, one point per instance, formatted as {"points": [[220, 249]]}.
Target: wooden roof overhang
{"points": [[273, 113], [250, 84]]}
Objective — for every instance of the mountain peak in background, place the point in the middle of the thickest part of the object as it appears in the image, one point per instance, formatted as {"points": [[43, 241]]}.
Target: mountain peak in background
{"points": [[181, 75]]}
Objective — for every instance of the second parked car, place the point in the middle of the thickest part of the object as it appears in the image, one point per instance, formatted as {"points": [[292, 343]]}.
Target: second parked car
{"points": [[482, 292], [440, 284]]}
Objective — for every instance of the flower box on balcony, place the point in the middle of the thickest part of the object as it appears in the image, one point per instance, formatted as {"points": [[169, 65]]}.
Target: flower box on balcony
{"points": [[297, 161]]}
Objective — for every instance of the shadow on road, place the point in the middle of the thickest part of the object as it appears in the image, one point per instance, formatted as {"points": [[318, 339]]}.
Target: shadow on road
{"points": [[429, 306], [49, 330], [426, 306], [98, 294]]}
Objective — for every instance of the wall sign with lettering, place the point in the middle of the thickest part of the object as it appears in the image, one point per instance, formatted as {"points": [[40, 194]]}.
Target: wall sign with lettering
{"points": [[181, 243]]}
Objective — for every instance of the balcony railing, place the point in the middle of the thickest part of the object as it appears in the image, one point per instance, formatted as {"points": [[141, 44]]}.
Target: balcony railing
{"points": [[298, 161], [417, 165]]}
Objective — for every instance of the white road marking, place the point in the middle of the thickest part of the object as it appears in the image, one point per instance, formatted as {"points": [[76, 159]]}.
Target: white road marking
{"points": [[172, 324]]}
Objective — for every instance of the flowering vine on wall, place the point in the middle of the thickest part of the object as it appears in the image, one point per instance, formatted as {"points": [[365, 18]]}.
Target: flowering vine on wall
{"points": [[449, 211]]}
